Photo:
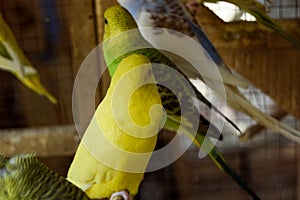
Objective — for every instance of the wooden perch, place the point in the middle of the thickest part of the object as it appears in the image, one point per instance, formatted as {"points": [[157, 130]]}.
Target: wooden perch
{"points": [[43, 141]]}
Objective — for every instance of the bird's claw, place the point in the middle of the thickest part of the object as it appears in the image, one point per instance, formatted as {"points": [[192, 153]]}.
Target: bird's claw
{"points": [[122, 195]]}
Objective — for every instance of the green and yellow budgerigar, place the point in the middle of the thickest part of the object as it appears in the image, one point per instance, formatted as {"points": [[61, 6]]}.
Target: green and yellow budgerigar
{"points": [[13, 60], [125, 124], [174, 15], [25, 177], [119, 21]]}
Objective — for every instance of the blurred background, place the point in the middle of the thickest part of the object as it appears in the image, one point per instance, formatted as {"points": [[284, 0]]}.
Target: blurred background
{"points": [[57, 35]]}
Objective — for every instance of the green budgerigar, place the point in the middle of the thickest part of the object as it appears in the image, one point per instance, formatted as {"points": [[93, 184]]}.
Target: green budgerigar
{"points": [[25, 177], [118, 143], [13, 60], [119, 21]]}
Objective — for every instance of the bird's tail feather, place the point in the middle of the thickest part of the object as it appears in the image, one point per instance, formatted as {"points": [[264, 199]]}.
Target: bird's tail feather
{"points": [[206, 145], [238, 101], [218, 159]]}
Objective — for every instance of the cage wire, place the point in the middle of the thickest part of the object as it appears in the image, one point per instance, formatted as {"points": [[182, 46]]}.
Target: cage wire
{"points": [[277, 9], [40, 28], [270, 161], [283, 9]]}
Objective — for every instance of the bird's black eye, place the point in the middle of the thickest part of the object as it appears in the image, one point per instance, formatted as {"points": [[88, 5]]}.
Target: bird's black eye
{"points": [[105, 21]]}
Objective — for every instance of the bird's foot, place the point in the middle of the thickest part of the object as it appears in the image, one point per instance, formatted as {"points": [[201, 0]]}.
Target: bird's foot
{"points": [[122, 195]]}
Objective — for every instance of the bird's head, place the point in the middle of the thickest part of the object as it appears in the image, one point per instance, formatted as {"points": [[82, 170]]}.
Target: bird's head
{"points": [[117, 20]]}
